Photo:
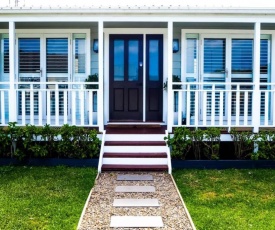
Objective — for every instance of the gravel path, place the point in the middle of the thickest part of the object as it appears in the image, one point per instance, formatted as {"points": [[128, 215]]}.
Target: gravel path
{"points": [[99, 210]]}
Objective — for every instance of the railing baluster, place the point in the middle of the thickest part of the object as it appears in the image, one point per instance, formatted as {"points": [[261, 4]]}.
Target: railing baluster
{"points": [[48, 107], [188, 105], [81, 96], [196, 115], [31, 105], [56, 93], [73, 107], [213, 92], [238, 105], [266, 109], [229, 107], [179, 107], [221, 108], [204, 109], [65, 103], [245, 108], [40, 110], [90, 107], [23, 107]]}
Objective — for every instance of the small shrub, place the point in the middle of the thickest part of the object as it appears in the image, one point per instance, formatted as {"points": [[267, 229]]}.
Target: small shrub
{"points": [[243, 144], [266, 145], [180, 143], [212, 138]]}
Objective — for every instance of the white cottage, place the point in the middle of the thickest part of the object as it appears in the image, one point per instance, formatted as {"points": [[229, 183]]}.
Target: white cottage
{"points": [[224, 56]]}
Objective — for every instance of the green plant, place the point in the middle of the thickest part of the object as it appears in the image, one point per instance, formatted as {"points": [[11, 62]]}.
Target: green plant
{"points": [[5, 143], [266, 145], [243, 144], [211, 143], [197, 136], [180, 143], [92, 78]]}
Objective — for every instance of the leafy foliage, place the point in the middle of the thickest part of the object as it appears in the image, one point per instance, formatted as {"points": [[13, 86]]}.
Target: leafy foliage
{"points": [[92, 78], [266, 145], [180, 143], [67, 141], [243, 144]]}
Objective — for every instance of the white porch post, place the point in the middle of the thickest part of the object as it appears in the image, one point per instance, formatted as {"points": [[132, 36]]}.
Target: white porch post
{"points": [[256, 113], [170, 105], [100, 101], [12, 92]]}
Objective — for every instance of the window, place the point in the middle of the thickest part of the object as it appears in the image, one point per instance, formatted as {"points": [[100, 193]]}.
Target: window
{"points": [[29, 55], [191, 55], [6, 56], [214, 55], [79, 55], [57, 55]]}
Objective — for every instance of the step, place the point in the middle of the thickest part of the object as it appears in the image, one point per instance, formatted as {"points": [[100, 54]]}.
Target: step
{"points": [[136, 203], [138, 149], [118, 167], [132, 177], [136, 222], [135, 130], [134, 137], [135, 189], [135, 155], [135, 143], [134, 161]]}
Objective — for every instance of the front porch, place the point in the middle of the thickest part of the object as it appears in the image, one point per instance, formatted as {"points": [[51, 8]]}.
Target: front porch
{"points": [[225, 65]]}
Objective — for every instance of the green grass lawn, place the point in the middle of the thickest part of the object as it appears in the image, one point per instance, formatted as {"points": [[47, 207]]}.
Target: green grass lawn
{"points": [[43, 197], [229, 199]]}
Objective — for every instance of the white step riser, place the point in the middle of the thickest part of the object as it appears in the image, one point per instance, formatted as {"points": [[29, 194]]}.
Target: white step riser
{"points": [[134, 149], [134, 137], [135, 161]]}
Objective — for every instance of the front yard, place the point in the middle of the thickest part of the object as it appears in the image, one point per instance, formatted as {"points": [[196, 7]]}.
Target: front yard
{"points": [[43, 197], [53, 197], [229, 199]]}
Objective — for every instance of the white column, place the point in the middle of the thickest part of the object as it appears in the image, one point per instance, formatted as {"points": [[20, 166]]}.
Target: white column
{"points": [[170, 105], [100, 98], [12, 92], [256, 116]]}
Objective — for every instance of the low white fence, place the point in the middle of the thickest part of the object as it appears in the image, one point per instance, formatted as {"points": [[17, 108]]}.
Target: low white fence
{"points": [[53, 103], [223, 105]]}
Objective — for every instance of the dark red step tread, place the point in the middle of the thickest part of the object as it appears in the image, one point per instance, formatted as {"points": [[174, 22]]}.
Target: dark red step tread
{"points": [[135, 129], [135, 143], [135, 155], [107, 167]]}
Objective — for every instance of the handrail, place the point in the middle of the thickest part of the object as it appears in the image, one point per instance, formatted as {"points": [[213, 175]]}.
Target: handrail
{"points": [[101, 152], [168, 155]]}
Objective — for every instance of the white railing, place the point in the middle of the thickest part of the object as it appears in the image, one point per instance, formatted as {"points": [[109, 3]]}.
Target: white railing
{"points": [[223, 105], [53, 103]]}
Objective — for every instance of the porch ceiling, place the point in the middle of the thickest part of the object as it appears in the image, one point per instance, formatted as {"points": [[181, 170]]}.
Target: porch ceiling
{"points": [[55, 25]]}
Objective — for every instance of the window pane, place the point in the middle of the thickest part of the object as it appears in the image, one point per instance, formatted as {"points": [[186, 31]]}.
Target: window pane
{"points": [[242, 56], [191, 55], [29, 55], [6, 56], [214, 55], [79, 58], [133, 60], [153, 60], [264, 56], [57, 55], [118, 60]]}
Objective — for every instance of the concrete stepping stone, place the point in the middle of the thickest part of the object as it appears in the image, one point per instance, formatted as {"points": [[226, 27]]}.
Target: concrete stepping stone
{"points": [[129, 177], [135, 189], [136, 222], [136, 203]]}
